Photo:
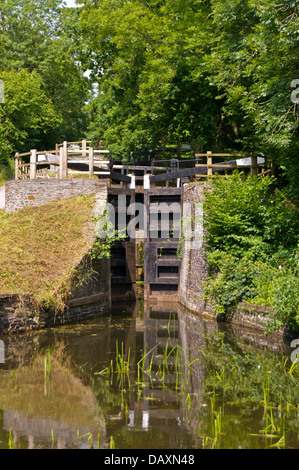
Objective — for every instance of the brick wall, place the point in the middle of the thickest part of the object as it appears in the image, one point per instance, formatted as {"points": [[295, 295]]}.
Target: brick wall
{"points": [[28, 193]]}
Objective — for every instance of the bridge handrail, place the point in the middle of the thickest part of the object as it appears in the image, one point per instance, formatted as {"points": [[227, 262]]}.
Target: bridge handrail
{"points": [[64, 155]]}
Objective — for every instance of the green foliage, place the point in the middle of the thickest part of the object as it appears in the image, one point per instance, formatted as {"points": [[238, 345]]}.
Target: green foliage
{"points": [[211, 73], [107, 236], [253, 242], [27, 114], [233, 282], [146, 59], [45, 90], [284, 300], [6, 171], [248, 216], [216, 75]]}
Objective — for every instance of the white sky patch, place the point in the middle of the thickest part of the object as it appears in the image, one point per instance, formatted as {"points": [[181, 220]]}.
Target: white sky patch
{"points": [[71, 3]]}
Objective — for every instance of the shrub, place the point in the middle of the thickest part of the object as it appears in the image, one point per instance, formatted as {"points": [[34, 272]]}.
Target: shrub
{"points": [[253, 248], [247, 216]]}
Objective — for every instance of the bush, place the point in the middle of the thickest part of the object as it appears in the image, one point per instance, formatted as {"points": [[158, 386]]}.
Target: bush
{"points": [[231, 281], [248, 217], [253, 248], [235, 280]]}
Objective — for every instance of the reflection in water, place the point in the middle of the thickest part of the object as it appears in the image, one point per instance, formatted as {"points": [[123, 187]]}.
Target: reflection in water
{"points": [[152, 377]]}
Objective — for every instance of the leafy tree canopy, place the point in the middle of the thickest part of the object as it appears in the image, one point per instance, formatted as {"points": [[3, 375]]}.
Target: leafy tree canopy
{"points": [[211, 73], [45, 90]]}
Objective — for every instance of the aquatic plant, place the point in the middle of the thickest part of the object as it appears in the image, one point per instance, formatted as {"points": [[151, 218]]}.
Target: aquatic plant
{"points": [[112, 443], [47, 372], [10, 440]]}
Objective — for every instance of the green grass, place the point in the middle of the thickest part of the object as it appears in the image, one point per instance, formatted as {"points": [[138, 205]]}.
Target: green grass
{"points": [[40, 247]]}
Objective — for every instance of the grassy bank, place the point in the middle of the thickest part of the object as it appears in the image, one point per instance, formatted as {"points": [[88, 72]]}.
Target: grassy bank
{"points": [[41, 246]]}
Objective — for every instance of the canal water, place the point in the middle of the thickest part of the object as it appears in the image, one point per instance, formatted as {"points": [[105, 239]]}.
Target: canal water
{"points": [[148, 377]]}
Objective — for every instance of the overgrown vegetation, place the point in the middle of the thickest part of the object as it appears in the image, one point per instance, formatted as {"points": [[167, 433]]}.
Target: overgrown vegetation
{"points": [[253, 247], [211, 74], [41, 246], [212, 385]]}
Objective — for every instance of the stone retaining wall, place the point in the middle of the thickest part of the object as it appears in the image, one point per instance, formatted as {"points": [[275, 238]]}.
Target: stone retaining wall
{"points": [[89, 298], [90, 290], [194, 272], [28, 193], [193, 265]]}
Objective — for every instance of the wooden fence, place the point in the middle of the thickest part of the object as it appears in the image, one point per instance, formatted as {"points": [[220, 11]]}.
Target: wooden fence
{"points": [[70, 158], [35, 164]]}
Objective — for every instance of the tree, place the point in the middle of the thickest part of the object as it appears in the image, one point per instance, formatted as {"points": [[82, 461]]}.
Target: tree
{"points": [[146, 58], [37, 46], [27, 114], [213, 73], [253, 61]]}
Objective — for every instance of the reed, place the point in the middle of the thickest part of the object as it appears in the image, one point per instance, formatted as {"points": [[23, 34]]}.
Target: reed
{"points": [[112, 443], [87, 434], [47, 372], [10, 440], [217, 428]]}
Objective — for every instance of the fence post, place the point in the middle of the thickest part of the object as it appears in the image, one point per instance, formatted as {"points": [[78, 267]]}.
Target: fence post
{"points": [[63, 160], [209, 163], [16, 166], [146, 181], [83, 147], [253, 165], [270, 166], [91, 161], [132, 184], [33, 164]]}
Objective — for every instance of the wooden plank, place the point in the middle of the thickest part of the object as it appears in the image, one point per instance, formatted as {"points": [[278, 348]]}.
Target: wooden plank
{"points": [[40, 163], [26, 154], [223, 155], [63, 161], [43, 152], [119, 177], [223, 166], [209, 176], [209, 163], [84, 142], [254, 166]]}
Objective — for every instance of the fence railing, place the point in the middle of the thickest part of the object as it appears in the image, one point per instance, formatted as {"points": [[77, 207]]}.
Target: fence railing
{"points": [[70, 158], [258, 165], [35, 164]]}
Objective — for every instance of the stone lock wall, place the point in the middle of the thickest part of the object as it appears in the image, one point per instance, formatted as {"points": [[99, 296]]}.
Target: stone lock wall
{"points": [[29, 193], [90, 297], [91, 288], [194, 269]]}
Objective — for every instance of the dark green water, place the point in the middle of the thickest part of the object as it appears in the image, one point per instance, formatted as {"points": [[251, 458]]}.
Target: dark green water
{"points": [[148, 378]]}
